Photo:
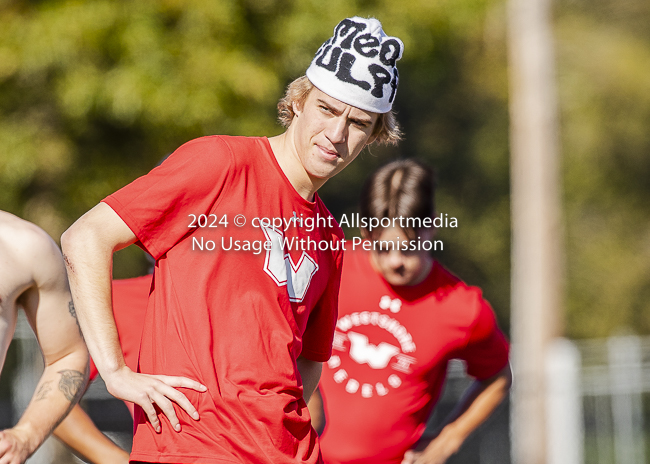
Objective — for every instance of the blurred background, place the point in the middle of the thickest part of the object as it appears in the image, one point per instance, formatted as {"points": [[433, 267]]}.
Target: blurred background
{"points": [[94, 93]]}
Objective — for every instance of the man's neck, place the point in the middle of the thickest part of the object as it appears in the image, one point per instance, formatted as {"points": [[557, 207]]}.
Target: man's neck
{"points": [[287, 157]]}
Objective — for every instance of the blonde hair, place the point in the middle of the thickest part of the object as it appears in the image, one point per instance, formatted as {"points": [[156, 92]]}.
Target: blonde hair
{"points": [[386, 128]]}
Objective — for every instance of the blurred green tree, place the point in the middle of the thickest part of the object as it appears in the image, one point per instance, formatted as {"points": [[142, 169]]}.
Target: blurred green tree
{"points": [[604, 77], [94, 93]]}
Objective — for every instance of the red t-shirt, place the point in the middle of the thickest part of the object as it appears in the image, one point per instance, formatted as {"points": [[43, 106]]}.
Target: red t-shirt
{"points": [[226, 311], [389, 361], [130, 297]]}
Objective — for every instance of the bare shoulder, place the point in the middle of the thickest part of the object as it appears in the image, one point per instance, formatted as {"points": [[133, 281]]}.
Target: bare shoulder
{"points": [[28, 248]]}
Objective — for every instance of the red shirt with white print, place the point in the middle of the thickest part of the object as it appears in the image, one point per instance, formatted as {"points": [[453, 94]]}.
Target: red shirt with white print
{"points": [[391, 349], [232, 305]]}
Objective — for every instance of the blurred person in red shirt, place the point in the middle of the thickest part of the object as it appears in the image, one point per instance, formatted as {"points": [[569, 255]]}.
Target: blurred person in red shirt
{"points": [[402, 318]]}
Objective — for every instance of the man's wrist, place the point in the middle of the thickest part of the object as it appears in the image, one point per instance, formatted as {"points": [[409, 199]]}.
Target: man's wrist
{"points": [[113, 375], [112, 369], [29, 436], [450, 439]]}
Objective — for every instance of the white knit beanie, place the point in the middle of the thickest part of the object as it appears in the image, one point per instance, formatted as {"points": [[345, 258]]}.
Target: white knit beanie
{"points": [[357, 65]]}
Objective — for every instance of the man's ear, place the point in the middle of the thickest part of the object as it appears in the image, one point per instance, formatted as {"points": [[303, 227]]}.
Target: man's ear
{"points": [[297, 108]]}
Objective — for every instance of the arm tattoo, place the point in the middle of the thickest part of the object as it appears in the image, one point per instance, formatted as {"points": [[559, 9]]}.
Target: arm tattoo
{"points": [[71, 383], [43, 390], [73, 313]]}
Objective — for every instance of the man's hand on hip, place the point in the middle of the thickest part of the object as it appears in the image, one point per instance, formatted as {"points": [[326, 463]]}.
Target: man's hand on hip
{"points": [[148, 390]]}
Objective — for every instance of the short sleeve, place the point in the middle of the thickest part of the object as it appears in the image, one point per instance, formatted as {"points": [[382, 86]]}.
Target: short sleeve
{"points": [[487, 349], [157, 206], [319, 334]]}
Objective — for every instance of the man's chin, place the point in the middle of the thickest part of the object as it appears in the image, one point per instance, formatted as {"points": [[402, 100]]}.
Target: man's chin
{"points": [[324, 172], [396, 280]]}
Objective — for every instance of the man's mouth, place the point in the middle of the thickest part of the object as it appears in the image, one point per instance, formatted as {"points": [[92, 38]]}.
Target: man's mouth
{"points": [[327, 153]]}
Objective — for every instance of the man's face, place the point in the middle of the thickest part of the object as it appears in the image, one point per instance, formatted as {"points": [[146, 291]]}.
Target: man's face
{"points": [[329, 134], [401, 267]]}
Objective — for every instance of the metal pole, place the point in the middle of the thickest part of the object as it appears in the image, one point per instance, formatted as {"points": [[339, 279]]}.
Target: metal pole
{"points": [[565, 418], [626, 380], [536, 232]]}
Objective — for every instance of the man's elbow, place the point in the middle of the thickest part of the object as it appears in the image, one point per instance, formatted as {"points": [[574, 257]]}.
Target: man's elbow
{"points": [[99, 232], [78, 240], [507, 376], [503, 379], [76, 359], [313, 367], [68, 241]]}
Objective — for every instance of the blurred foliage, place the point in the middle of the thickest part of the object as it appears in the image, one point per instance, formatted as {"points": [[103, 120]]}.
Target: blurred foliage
{"points": [[94, 93], [603, 51]]}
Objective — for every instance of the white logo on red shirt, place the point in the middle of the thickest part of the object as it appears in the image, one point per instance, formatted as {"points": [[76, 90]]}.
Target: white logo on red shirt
{"points": [[279, 265], [387, 303], [363, 352], [377, 356]]}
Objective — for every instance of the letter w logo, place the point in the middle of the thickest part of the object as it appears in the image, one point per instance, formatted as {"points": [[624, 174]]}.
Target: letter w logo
{"points": [[282, 269], [363, 352]]}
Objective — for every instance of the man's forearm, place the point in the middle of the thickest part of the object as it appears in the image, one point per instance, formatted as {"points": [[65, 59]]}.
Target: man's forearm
{"points": [[310, 374], [80, 433], [317, 411], [89, 258], [478, 403], [88, 247], [59, 389]]}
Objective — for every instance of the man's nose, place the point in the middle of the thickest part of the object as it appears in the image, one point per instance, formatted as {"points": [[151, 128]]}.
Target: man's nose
{"points": [[395, 259], [337, 130]]}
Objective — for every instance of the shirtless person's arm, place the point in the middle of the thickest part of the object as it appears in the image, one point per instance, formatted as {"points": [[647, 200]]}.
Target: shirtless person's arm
{"points": [[88, 246], [36, 266], [80, 433]]}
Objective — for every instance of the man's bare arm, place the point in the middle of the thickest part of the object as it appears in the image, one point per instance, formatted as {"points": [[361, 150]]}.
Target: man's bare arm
{"points": [[64, 378], [310, 373], [80, 433], [317, 412], [88, 247], [478, 403]]}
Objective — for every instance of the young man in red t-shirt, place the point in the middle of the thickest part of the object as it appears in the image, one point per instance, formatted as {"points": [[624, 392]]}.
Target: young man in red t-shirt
{"points": [[243, 305], [402, 317]]}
